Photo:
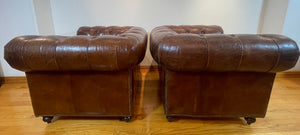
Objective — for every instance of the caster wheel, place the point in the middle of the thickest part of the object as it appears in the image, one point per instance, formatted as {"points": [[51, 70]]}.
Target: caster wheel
{"points": [[126, 119], [170, 119], [250, 120], [47, 119]]}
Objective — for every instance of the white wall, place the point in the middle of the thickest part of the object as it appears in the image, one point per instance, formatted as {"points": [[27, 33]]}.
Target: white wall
{"points": [[17, 18], [235, 16], [43, 15], [291, 26], [64, 17], [1, 70], [273, 16]]}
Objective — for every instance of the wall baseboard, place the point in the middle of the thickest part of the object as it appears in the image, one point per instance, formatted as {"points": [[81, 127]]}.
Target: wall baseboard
{"points": [[13, 79], [22, 79], [288, 74]]}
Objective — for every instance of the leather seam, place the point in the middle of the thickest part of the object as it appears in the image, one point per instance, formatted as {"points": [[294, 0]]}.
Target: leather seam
{"points": [[242, 54], [179, 54], [116, 51], [278, 56], [158, 52], [57, 66], [22, 52], [41, 55], [207, 60], [87, 54]]}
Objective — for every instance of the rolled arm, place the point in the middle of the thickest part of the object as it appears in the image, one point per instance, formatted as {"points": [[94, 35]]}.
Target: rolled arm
{"points": [[55, 53], [222, 53]]}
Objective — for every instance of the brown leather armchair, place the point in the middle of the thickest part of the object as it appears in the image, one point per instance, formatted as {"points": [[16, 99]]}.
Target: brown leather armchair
{"points": [[209, 74], [86, 75]]}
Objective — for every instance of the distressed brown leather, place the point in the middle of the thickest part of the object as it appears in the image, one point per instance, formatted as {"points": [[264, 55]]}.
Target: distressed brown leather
{"points": [[218, 75], [108, 52], [81, 93], [218, 94], [101, 30], [222, 52], [159, 33], [86, 75]]}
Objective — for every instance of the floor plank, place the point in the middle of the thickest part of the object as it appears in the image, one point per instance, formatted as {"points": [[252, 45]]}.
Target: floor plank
{"points": [[283, 116]]}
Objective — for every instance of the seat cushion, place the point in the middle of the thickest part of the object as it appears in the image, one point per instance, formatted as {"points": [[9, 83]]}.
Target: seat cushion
{"points": [[122, 49], [188, 51]]}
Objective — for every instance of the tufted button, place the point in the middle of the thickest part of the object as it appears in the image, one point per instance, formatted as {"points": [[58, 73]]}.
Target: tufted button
{"points": [[96, 32], [195, 29], [101, 30]]}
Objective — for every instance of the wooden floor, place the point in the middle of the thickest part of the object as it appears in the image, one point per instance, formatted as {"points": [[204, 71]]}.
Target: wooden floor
{"points": [[283, 116]]}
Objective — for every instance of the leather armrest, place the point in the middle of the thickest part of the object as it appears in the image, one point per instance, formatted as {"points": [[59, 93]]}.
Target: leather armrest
{"points": [[55, 53], [222, 53]]}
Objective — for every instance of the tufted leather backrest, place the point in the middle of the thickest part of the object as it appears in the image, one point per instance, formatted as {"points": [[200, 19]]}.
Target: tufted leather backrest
{"points": [[160, 32], [196, 29], [223, 52], [101, 30], [62, 53]]}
